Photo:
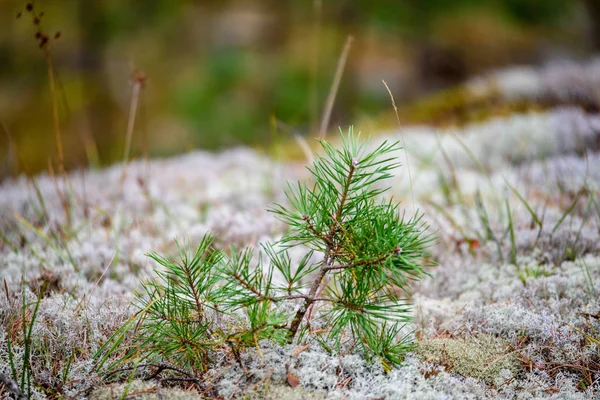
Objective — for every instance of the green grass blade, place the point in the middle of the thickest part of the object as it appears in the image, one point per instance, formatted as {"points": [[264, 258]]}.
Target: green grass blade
{"points": [[568, 211], [526, 204], [513, 250]]}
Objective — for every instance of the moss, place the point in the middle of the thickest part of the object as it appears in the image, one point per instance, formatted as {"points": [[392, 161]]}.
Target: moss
{"points": [[482, 357], [283, 392], [142, 390], [459, 106]]}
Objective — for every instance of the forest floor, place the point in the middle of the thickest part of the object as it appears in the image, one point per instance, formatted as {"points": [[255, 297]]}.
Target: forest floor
{"points": [[511, 311]]}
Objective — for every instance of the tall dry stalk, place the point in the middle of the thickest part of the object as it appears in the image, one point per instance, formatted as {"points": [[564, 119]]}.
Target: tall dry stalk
{"points": [[334, 87], [43, 39], [313, 101], [412, 193], [137, 80], [55, 116]]}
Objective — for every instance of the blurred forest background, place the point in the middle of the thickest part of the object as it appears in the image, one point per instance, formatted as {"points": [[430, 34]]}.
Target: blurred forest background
{"points": [[245, 72]]}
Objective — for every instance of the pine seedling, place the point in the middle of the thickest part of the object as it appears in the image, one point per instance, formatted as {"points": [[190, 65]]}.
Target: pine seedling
{"points": [[369, 255], [370, 250]]}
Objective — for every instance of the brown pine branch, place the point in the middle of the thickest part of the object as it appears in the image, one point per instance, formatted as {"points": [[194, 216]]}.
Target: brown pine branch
{"points": [[315, 232], [245, 284]]}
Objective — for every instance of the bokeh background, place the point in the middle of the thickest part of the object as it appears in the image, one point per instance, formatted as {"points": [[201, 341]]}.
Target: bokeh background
{"points": [[223, 73]]}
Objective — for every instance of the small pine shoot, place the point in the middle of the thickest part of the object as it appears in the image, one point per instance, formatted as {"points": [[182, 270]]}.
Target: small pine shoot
{"points": [[369, 253]]}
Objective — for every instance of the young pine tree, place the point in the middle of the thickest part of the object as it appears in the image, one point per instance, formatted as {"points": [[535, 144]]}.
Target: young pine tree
{"points": [[368, 253]]}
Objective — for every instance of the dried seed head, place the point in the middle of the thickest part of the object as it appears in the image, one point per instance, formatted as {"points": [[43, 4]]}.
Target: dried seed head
{"points": [[137, 78]]}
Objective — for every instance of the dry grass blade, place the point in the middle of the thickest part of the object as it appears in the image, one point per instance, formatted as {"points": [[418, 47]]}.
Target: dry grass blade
{"points": [[314, 66], [304, 146], [55, 117], [482, 169], [334, 87], [403, 142], [137, 78]]}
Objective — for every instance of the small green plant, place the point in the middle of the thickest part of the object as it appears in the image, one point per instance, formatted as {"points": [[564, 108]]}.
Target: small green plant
{"points": [[351, 285], [529, 272]]}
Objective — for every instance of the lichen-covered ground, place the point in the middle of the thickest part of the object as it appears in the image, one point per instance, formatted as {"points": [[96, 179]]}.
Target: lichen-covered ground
{"points": [[512, 310]]}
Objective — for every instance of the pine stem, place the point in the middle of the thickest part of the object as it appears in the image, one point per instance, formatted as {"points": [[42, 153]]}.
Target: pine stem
{"points": [[327, 261], [309, 300]]}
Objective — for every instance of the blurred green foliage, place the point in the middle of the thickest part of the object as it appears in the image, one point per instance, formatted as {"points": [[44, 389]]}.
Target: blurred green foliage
{"points": [[219, 73]]}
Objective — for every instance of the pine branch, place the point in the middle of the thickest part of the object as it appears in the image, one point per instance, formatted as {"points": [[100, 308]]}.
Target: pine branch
{"points": [[338, 213], [192, 286], [249, 287], [314, 231]]}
